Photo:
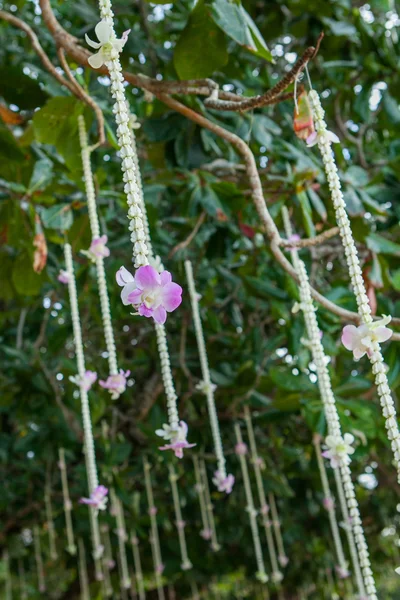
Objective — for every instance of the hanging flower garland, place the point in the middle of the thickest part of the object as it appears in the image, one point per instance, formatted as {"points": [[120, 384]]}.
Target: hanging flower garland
{"points": [[117, 511], [276, 525], [205, 531], [155, 539], [222, 480], [151, 293], [329, 505], [338, 448], [366, 338], [97, 499], [98, 251], [82, 569], [186, 565], [108, 562], [241, 451], [71, 547], [215, 546], [276, 575], [39, 560], [138, 565]]}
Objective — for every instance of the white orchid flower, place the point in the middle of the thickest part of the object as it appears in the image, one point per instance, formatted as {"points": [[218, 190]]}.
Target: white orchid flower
{"points": [[327, 135], [108, 45]]}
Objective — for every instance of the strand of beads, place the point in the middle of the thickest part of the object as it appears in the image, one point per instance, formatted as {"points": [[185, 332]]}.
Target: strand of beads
{"points": [[223, 481], [186, 565], [83, 574], [329, 505], [276, 525], [339, 447], [117, 511], [50, 523], [71, 548], [7, 575], [116, 382], [257, 462], [365, 338], [39, 559], [205, 532], [108, 562], [138, 565], [97, 494], [241, 451], [155, 539], [215, 546]]}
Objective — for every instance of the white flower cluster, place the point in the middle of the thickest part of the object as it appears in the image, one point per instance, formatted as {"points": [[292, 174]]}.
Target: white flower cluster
{"points": [[331, 414], [353, 263], [95, 229], [206, 386], [261, 572]]}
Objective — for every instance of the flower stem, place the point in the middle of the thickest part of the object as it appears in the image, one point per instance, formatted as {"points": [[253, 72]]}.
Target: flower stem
{"points": [[186, 564], [67, 503]]}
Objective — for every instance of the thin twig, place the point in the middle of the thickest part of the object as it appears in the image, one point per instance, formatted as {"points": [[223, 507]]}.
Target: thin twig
{"points": [[314, 241], [185, 243]]}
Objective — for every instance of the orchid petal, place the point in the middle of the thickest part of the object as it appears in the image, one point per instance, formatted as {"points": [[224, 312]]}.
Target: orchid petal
{"points": [[147, 278], [103, 31], [123, 276]]}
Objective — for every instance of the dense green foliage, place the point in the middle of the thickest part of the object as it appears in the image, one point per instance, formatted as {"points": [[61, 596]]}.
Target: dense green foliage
{"points": [[254, 340]]}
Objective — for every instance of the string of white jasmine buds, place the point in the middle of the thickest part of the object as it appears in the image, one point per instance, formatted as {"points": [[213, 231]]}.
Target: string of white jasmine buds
{"points": [[155, 539], [330, 506], [83, 575], [95, 229], [276, 525], [207, 387], [138, 565], [353, 263], [117, 510], [158, 577], [330, 409], [202, 501], [50, 523], [71, 548], [80, 360], [215, 546], [261, 573], [276, 575], [180, 523], [349, 533], [39, 559]]}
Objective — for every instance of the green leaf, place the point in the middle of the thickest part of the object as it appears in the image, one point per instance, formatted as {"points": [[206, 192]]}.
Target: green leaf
{"points": [[24, 278], [353, 203], [57, 217], [201, 48], [41, 176], [396, 280], [391, 106], [356, 176], [377, 243], [9, 148], [205, 197], [232, 18], [317, 204], [307, 213], [340, 27], [263, 289]]}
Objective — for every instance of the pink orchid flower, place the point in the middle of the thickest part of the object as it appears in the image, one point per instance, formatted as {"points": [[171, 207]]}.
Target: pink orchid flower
{"points": [[97, 249], [241, 449], [152, 294], [98, 498], [63, 277], [86, 381], [360, 340], [328, 503], [116, 384], [223, 484], [342, 572], [206, 534], [177, 437]]}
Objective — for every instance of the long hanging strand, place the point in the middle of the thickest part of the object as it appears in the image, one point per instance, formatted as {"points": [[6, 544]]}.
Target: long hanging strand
{"points": [[368, 328], [90, 457], [155, 540], [276, 525], [205, 532], [241, 450], [180, 523], [7, 573], [116, 382], [117, 510], [39, 559], [22, 580], [50, 523], [223, 481], [83, 576], [71, 548], [215, 546], [276, 575], [138, 565], [329, 505], [340, 448], [108, 563]]}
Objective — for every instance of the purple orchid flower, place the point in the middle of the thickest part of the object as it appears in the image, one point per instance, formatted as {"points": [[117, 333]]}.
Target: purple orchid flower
{"points": [[97, 249], [98, 498], [206, 534], [151, 293], [177, 437], [223, 484], [86, 381], [116, 384], [63, 277], [241, 449]]}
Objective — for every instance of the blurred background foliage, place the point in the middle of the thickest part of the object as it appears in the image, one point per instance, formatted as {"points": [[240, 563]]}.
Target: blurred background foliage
{"points": [[253, 339]]}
